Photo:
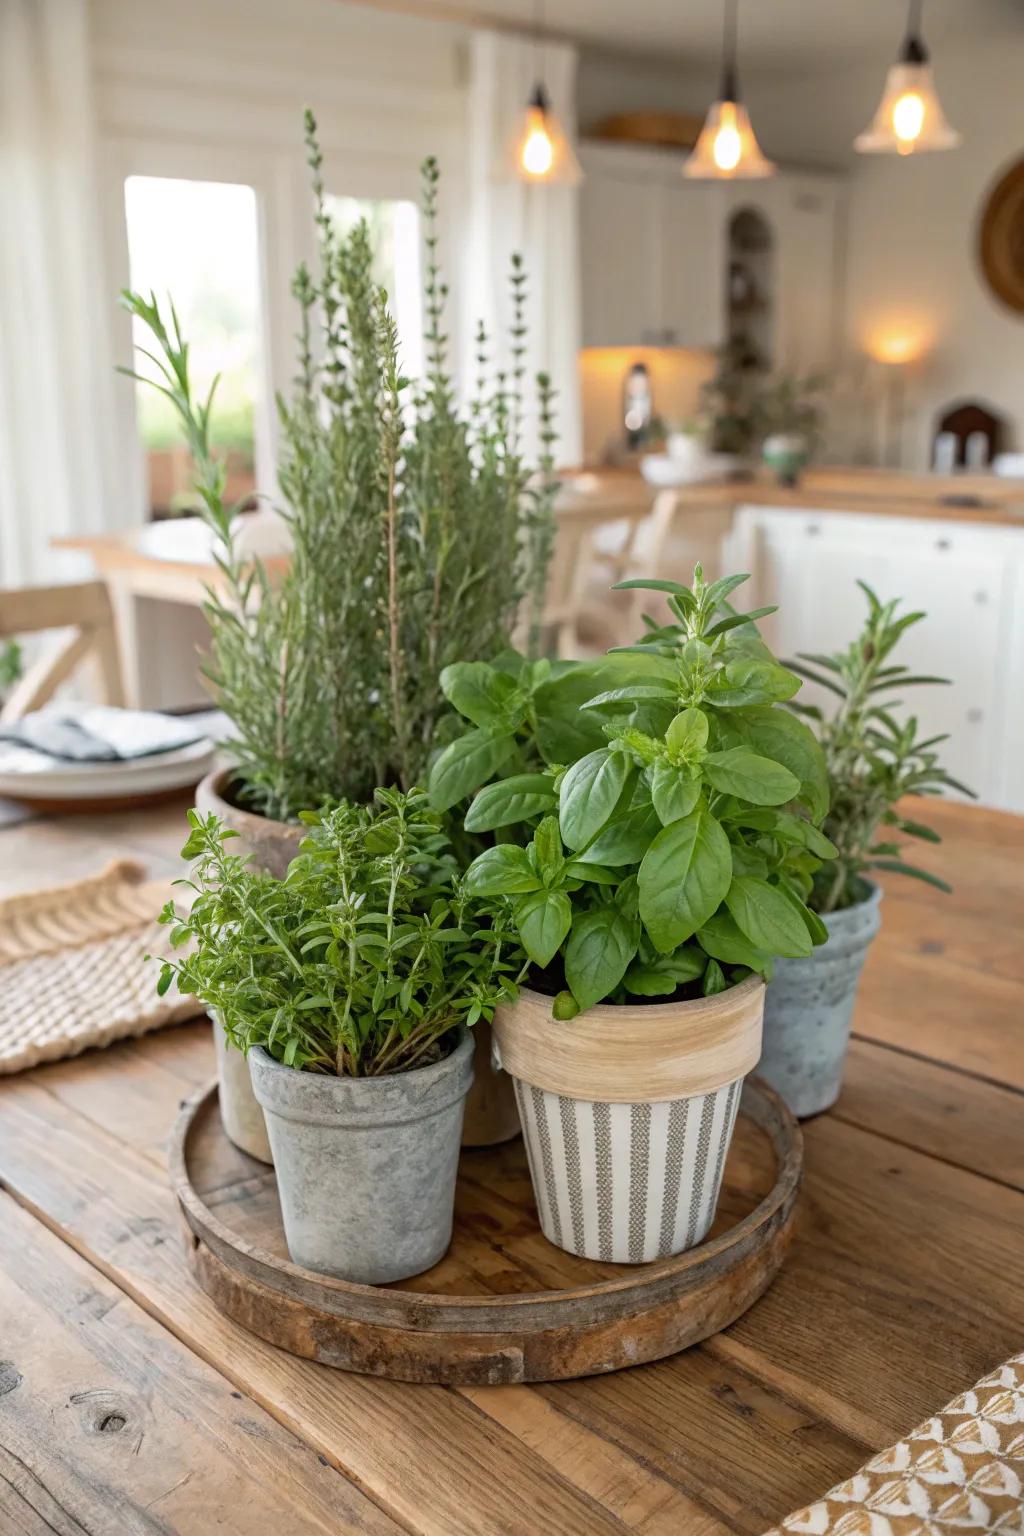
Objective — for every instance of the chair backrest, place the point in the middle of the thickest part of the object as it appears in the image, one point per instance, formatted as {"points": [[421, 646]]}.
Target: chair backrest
{"points": [[83, 608]]}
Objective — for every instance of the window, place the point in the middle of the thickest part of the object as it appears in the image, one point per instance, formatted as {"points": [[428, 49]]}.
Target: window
{"points": [[198, 242], [395, 236]]}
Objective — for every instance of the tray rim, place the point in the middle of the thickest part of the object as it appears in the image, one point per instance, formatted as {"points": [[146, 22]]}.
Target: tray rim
{"points": [[391, 1307]]}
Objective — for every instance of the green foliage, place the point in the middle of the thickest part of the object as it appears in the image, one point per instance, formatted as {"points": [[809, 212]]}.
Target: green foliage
{"points": [[657, 836], [873, 758], [417, 532], [790, 404], [11, 664], [361, 961]]}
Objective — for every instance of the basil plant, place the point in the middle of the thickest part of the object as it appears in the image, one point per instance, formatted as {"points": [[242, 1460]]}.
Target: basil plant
{"points": [[674, 855]]}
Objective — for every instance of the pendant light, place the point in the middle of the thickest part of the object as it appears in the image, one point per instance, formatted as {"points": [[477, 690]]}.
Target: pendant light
{"points": [[727, 149], [542, 151], [910, 118]]}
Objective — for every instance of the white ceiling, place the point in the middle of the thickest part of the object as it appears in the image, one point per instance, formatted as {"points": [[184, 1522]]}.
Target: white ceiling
{"points": [[775, 34]]}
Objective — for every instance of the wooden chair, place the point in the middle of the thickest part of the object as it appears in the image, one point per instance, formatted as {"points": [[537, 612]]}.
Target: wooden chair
{"points": [[83, 608]]}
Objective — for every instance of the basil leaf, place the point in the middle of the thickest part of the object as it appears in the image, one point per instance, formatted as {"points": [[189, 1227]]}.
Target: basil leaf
{"points": [[769, 921], [543, 920], [689, 729], [778, 734], [483, 695], [647, 981], [673, 792], [749, 681], [466, 764], [639, 693], [510, 801], [590, 793], [600, 947], [577, 869], [548, 847], [758, 780], [625, 839], [501, 871], [794, 829], [722, 940], [714, 979], [683, 878]]}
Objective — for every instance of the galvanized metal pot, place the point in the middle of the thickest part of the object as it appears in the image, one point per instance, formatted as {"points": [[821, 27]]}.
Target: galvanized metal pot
{"points": [[366, 1165], [627, 1114], [808, 1008], [240, 1113]]}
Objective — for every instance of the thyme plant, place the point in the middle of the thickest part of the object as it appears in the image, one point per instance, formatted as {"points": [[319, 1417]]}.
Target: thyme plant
{"points": [[362, 961], [419, 533], [874, 759], [673, 858]]}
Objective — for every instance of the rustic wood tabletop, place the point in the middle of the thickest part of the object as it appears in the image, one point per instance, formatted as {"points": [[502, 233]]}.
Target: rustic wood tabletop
{"points": [[129, 1404]]}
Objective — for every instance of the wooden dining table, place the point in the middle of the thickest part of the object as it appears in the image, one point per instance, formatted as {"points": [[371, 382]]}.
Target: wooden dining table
{"points": [[129, 1404]]}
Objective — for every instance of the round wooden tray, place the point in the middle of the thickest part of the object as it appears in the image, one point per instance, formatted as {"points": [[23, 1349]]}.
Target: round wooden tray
{"points": [[504, 1305]]}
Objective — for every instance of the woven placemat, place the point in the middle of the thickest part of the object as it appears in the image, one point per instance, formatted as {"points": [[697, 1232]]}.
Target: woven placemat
{"points": [[73, 967]]}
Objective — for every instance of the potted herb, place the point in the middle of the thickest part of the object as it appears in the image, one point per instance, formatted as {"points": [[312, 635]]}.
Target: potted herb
{"points": [[875, 761], [419, 534], [653, 879], [350, 985], [788, 414]]}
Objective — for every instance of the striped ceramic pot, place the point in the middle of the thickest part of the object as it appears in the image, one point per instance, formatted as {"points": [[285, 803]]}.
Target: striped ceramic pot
{"points": [[627, 1114]]}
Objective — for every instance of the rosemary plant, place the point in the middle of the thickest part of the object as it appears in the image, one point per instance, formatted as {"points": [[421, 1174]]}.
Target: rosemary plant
{"points": [[874, 759], [419, 533], [361, 962]]}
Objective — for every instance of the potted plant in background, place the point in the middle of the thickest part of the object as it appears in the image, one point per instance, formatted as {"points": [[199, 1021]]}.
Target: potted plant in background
{"points": [[418, 535], [788, 416], [350, 984], [652, 880], [875, 760]]}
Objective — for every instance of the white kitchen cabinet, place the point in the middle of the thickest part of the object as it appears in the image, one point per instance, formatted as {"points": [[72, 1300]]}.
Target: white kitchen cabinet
{"points": [[655, 255], [968, 579], [650, 244]]}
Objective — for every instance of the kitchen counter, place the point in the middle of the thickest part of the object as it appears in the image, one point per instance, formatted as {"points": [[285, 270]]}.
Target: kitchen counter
{"points": [[983, 499]]}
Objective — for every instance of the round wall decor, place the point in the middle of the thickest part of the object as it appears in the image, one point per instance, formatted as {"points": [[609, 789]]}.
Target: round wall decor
{"points": [[1001, 242]]}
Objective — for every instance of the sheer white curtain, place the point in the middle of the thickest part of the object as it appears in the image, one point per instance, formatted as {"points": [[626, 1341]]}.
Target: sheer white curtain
{"points": [[541, 222], [57, 458]]}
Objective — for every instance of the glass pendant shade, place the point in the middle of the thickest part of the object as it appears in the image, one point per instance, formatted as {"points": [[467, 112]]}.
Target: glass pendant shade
{"points": [[910, 119], [727, 149], [541, 150]]}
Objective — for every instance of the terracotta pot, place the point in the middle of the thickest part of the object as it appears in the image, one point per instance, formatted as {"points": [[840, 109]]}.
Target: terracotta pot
{"points": [[491, 1113], [627, 1115], [271, 844], [809, 1006]]}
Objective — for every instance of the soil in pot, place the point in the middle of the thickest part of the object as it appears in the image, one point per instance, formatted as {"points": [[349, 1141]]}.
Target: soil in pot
{"points": [[808, 1009], [627, 1115], [366, 1166], [270, 844]]}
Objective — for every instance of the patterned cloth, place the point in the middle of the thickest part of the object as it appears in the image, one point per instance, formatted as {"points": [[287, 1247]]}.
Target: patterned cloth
{"points": [[962, 1471]]}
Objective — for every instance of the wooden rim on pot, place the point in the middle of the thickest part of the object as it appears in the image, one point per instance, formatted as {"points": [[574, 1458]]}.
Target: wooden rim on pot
{"points": [[634, 1053]]}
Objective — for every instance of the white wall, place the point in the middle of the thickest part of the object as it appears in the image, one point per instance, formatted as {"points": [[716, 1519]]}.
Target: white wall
{"points": [[912, 262]]}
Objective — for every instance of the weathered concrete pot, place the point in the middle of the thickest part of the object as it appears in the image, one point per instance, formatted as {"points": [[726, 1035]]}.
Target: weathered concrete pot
{"points": [[271, 844], [240, 1114], [366, 1165], [627, 1115], [808, 1008], [491, 1113]]}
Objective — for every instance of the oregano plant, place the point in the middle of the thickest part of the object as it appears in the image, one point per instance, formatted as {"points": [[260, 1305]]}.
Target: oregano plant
{"points": [[875, 759], [363, 961], [675, 855], [419, 532]]}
